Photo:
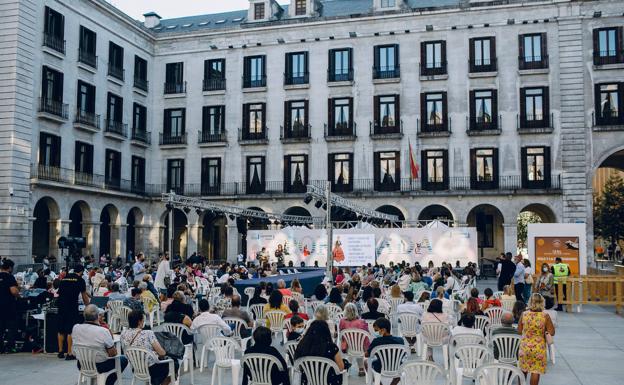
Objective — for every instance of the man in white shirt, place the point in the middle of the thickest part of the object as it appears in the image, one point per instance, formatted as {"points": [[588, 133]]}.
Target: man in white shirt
{"points": [[163, 272], [410, 307], [451, 281], [208, 318], [93, 335], [139, 268], [467, 322]]}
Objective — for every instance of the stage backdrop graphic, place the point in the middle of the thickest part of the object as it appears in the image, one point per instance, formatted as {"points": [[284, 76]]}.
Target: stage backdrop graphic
{"points": [[300, 245], [353, 249]]}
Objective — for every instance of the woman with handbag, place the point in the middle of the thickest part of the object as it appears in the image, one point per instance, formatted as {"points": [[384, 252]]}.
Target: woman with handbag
{"points": [[536, 327], [545, 284], [528, 279]]}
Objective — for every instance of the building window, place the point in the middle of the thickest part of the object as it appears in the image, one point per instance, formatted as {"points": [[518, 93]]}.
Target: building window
{"points": [[340, 172], [49, 150], [175, 175], [433, 58], [533, 53], [214, 74], [387, 171], [483, 54], [433, 112], [387, 114], [296, 119], [113, 169], [213, 124], [258, 11], [386, 62], [85, 109], [254, 71], [83, 161], [435, 170], [609, 104], [210, 176], [484, 168], [295, 173], [296, 68], [340, 67], [114, 112], [388, 3], [485, 229], [254, 121], [174, 126], [54, 30], [52, 93], [138, 175], [608, 46], [174, 79], [255, 175], [87, 47], [483, 110], [340, 119], [116, 61], [300, 7], [534, 107], [139, 123], [535, 167], [140, 73]]}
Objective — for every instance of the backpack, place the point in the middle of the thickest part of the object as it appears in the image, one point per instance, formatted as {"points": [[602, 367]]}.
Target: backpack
{"points": [[172, 345]]}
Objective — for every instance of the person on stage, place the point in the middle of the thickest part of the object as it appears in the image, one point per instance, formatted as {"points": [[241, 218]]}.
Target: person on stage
{"points": [[337, 252], [279, 255]]}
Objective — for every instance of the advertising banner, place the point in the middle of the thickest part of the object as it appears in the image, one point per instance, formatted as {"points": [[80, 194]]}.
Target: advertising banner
{"points": [[564, 247], [547, 241], [349, 249], [294, 244]]}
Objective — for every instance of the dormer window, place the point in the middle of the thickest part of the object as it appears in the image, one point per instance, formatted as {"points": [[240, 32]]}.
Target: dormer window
{"points": [[300, 7], [258, 11]]}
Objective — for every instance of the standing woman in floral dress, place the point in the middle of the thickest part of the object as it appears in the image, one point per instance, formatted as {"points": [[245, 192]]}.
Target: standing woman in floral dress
{"points": [[533, 326]]}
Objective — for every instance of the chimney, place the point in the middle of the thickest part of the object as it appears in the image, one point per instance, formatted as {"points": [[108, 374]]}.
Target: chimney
{"points": [[151, 19]]}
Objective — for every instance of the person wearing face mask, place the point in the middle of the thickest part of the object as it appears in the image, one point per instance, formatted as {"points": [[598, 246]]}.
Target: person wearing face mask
{"points": [[298, 328], [545, 284], [382, 336]]}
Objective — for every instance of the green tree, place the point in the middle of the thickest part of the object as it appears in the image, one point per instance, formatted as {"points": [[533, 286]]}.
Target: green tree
{"points": [[609, 210], [524, 219]]}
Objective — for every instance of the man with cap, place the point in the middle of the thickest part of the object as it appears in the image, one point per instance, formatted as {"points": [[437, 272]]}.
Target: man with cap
{"points": [[70, 287]]}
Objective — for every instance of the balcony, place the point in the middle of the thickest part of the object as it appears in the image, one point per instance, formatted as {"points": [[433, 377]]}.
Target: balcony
{"points": [[387, 72], [115, 130], [87, 121], [174, 140], [209, 139], [141, 84], [379, 131], [341, 132], [141, 138], [340, 76], [434, 128], [534, 123], [175, 88], [116, 72], [256, 82], [54, 42], [299, 133], [533, 62], [611, 120], [610, 57], [482, 65], [53, 110], [87, 58], [483, 125], [433, 68], [214, 85], [247, 137], [299, 78]]}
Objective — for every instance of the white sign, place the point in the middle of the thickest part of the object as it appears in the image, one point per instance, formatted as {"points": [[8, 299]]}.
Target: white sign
{"points": [[349, 249], [296, 245], [567, 241]]}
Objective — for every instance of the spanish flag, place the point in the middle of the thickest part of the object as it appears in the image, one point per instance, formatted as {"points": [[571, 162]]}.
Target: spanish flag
{"points": [[413, 165]]}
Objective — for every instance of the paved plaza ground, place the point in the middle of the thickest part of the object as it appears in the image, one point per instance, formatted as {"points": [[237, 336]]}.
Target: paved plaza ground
{"points": [[590, 351]]}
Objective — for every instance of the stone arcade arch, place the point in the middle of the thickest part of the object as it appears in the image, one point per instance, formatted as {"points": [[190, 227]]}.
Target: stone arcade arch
{"points": [[134, 239], [489, 222], [180, 232], [46, 228], [110, 241], [436, 212], [610, 165], [213, 243]]}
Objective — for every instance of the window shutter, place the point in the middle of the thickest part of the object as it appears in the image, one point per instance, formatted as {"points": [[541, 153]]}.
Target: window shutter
{"points": [[546, 106], [77, 165], [544, 51], [376, 171], [222, 128], [287, 186], [183, 121], [219, 171], [495, 167], [495, 109], [424, 174], [306, 66], [472, 114], [330, 115], [331, 64], [397, 112], [305, 170], [445, 169], [286, 117], [206, 71], [351, 121], [547, 164], [423, 112], [204, 173], [91, 98], [182, 174], [397, 175], [522, 121], [397, 57], [350, 53], [596, 45], [493, 51], [524, 165], [351, 172], [473, 168], [246, 68], [263, 66], [89, 159], [56, 151], [423, 55], [245, 127], [443, 55], [264, 128], [119, 109], [205, 120], [619, 44], [181, 74], [445, 120], [306, 109], [376, 116], [287, 66], [263, 168], [77, 94], [471, 54], [62, 27], [376, 57], [598, 111], [520, 50], [330, 169], [167, 122]]}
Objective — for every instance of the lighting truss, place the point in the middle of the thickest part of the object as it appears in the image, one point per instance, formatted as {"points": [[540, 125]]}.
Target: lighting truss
{"points": [[180, 201], [338, 201]]}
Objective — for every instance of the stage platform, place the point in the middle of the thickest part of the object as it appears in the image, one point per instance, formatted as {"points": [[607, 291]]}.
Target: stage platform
{"points": [[309, 278]]}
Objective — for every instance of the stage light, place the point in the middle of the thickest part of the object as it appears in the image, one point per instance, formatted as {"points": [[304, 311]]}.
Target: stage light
{"points": [[307, 199], [169, 206], [232, 217], [186, 210], [318, 204]]}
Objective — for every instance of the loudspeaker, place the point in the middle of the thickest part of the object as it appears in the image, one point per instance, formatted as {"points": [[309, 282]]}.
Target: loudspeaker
{"points": [[50, 342]]}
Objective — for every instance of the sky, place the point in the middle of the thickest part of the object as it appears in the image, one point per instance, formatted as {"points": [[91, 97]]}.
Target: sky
{"points": [[168, 9]]}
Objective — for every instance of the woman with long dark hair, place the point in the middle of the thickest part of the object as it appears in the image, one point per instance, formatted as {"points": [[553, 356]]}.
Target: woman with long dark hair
{"points": [[334, 297], [318, 342], [276, 304], [320, 292]]}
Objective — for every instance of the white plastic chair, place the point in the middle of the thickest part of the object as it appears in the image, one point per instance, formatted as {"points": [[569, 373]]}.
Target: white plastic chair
{"points": [[314, 305], [286, 299], [275, 319], [482, 322], [237, 324], [497, 294], [422, 373], [178, 330], [459, 340], [123, 313], [87, 356], [289, 349], [138, 358], [249, 292], [508, 346], [300, 300], [334, 311], [467, 358], [355, 340], [113, 315], [436, 334], [317, 369], [394, 303], [409, 327], [206, 333], [153, 317], [259, 366], [494, 314], [499, 374], [391, 358], [225, 353], [508, 305], [257, 312]]}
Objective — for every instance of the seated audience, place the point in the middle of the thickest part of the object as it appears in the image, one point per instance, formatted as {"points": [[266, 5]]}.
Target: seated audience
{"points": [[206, 317], [236, 312], [257, 297], [293, 305], [320, 292], [352, 320], [466, 326], [134, 301], [490, 301], [372, 313], [275, 304], [382, 328], [507, 320], [318, 342], [281, 286], [334, 297], [297, 328], [262, 344]]}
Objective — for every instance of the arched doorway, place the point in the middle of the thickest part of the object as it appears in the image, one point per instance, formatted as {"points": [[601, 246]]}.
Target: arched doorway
{"points": [[533, 213], [436, 212], [79, 213], [392, 210], [180, 233], [245, 224], [214, 236], [297, 211], [490, 233], [109, 231], [608, 207], [133, 242], [45, 228]]}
